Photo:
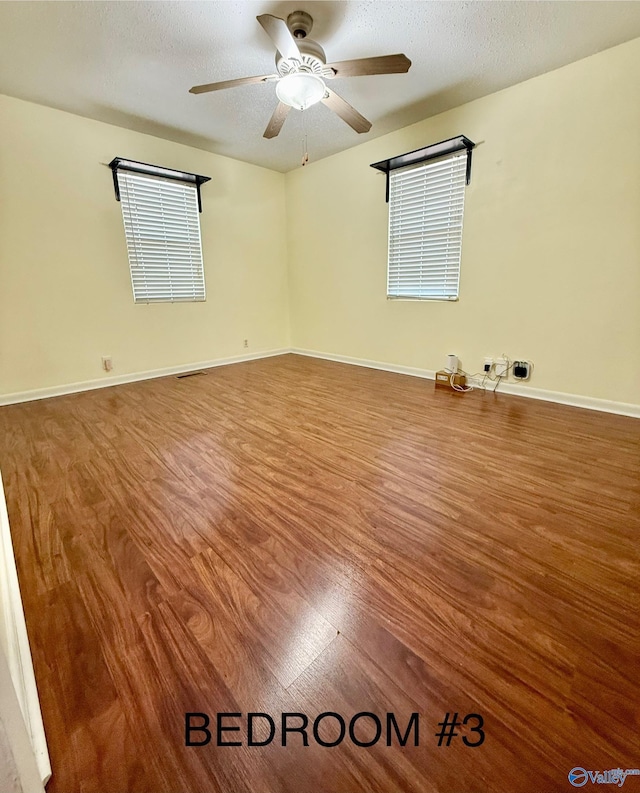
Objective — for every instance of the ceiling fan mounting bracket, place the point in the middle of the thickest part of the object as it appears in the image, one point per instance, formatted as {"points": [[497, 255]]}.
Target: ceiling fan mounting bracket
{"points": [[300, 24]]}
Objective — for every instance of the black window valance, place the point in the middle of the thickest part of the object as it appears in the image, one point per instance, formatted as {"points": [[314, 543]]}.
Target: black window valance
{"points": [[122, 164], [431, 152]]}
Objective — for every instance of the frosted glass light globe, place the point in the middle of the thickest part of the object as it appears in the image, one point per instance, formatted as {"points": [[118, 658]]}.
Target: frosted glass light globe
{"points": [[300, 90]]}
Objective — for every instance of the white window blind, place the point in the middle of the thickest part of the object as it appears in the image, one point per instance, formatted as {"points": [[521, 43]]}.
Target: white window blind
{"points": [[426, 205], [162, 229]]}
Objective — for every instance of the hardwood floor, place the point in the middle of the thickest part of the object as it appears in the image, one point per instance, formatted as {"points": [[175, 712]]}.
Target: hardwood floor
{"points": [[298, 536]]}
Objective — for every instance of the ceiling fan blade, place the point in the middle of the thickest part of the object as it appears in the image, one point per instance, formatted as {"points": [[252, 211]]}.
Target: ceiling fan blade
{"points": [[280, 34], [346, 112], [203, 89], [277, 120], [383, 64]]}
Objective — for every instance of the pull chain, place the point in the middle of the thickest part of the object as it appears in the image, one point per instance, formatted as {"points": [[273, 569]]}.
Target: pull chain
{"points": [[305, 153]]}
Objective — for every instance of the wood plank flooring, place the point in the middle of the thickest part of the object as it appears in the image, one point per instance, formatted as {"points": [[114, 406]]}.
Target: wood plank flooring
{"points": [[295, 535]]}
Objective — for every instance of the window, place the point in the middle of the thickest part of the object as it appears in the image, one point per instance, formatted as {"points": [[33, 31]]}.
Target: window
{"points": [[162, 229], [426, 205], [425, 191]]}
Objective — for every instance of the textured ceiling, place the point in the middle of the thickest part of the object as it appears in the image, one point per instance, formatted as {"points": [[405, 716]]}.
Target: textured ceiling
{"points": [[132, 63]]}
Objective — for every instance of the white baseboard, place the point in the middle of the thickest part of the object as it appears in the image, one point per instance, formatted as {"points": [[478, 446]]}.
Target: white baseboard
{"points": [[516, 389], [106, 382], [427, 374]]}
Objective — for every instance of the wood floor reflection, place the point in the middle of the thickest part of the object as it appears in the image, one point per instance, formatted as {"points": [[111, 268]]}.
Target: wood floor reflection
{"points": [[295, 535]]}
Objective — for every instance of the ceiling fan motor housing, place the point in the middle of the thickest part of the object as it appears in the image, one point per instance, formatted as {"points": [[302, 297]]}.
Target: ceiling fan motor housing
{"points": [[312, 60]]}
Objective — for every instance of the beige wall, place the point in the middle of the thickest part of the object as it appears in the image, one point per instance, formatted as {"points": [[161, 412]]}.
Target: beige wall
{"points": [[65, 291], [551, 247]]}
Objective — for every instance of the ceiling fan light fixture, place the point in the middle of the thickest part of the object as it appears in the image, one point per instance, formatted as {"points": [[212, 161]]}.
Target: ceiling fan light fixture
{"points": [[300, 90]]}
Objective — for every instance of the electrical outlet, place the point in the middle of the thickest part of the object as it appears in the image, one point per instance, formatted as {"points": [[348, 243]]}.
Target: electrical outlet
{"points": [[246, 343], [521, 370], [488, 364], [501, 367], [107, 363]]}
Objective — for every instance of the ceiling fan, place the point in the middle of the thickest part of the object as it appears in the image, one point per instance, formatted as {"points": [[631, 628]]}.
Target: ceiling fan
{"points": [[302, 68]]}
